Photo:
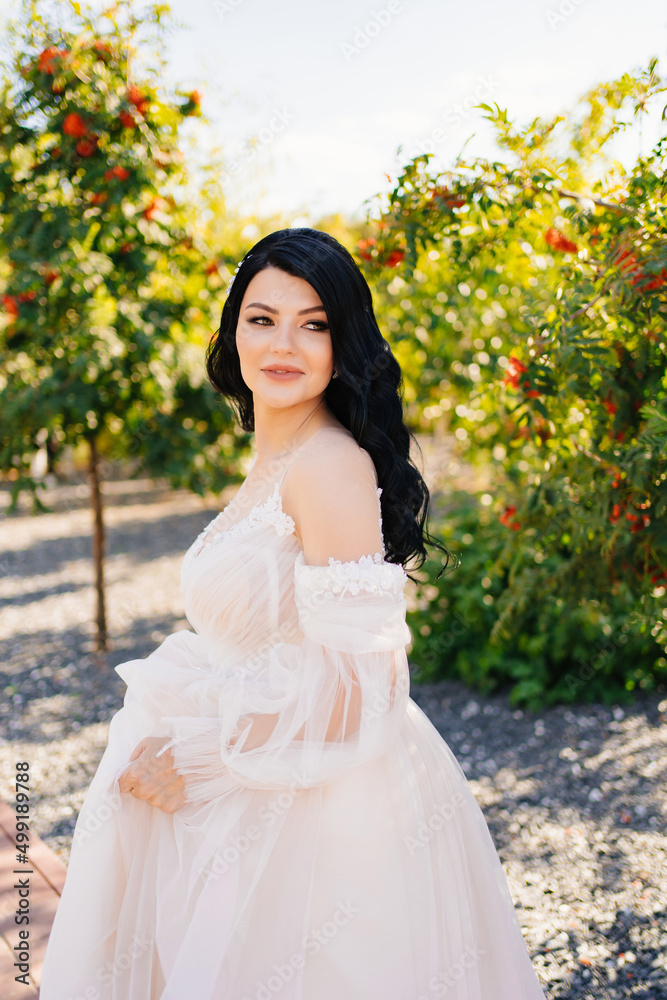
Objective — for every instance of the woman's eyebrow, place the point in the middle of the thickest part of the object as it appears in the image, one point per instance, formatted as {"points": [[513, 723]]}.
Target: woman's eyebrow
{"points": [[260, 305]]}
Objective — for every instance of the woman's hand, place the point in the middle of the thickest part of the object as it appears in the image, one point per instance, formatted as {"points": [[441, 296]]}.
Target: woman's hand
{"points": [[153, 778]]}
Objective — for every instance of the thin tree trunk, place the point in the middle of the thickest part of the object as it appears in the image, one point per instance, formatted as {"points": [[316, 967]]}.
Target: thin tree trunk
{"points": [[98, 544]]}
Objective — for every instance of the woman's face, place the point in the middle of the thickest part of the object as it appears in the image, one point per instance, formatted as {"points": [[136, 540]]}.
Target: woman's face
{"points": [[282, 324]]}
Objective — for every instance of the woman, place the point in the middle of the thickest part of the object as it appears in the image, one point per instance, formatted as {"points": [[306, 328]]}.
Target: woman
{"points": [[273, 815]]}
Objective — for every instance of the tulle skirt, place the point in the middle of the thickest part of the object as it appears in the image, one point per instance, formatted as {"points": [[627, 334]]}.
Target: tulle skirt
{"points": [[383, 885]]}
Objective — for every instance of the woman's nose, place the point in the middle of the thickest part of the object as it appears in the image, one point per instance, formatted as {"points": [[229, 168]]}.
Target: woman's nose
{"points": [[284, 332]]}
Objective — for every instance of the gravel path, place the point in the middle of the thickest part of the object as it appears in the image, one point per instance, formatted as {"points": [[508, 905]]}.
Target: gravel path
{"points": [[573, 796]]}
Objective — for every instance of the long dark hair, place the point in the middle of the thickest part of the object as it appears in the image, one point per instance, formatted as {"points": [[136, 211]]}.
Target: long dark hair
{"points": [[367, 394]]}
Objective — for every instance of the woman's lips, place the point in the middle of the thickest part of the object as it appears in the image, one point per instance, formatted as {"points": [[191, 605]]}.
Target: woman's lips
{"points": [[282, 376]]}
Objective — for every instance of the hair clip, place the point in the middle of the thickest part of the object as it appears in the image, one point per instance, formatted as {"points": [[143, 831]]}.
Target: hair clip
{"points": [[231, 281]]}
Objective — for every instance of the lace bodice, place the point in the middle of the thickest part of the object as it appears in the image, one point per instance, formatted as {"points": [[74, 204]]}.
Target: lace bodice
{"points": [[269, 511]]}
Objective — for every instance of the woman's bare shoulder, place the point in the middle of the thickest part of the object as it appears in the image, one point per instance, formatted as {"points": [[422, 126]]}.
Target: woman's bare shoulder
{"points": [[332, 452], [330, 493]]}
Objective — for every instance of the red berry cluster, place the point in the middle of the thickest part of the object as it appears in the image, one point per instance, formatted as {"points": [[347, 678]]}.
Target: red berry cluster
{"points": [[507, 518], [75, 126], [558, 241], [512, 377], [630, 266], [47, 60], [515, 370], [637, 521], [370, 250], [449, 198], [117, 172]]}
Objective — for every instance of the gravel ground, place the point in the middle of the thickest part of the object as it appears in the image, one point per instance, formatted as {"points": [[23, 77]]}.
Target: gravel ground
{"points": [[572, 796]]}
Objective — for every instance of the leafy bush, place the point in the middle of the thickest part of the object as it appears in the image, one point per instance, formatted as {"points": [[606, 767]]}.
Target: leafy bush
{"points": [[554, 650]]}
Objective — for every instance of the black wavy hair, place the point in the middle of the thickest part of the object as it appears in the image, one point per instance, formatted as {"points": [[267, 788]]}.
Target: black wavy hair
{"points": [[367, 394]]}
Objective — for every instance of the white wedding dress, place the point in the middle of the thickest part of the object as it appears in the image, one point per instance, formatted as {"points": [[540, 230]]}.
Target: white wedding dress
{"points": [[329, 848]]}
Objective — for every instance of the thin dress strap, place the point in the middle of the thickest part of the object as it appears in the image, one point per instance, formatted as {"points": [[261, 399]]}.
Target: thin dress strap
{"points": [[303, 444], [280, 481]]}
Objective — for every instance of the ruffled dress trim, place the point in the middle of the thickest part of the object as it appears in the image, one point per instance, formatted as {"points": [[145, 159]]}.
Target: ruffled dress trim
{"points": [[369, 573]]}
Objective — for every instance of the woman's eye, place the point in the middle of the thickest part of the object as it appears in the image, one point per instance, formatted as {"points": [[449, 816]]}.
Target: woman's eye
{"points": [[317, 323]]}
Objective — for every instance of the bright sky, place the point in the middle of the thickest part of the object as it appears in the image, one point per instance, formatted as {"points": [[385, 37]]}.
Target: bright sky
{"points": [[330, 88]]}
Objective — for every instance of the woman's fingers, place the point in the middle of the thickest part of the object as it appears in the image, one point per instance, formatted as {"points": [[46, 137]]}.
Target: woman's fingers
{"points": [[125, 780], [138, 750], [166, 796], [152, 778]]}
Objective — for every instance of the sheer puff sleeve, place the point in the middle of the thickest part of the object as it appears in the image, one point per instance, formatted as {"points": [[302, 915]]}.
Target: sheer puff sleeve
{"points": [[335, 700]]}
